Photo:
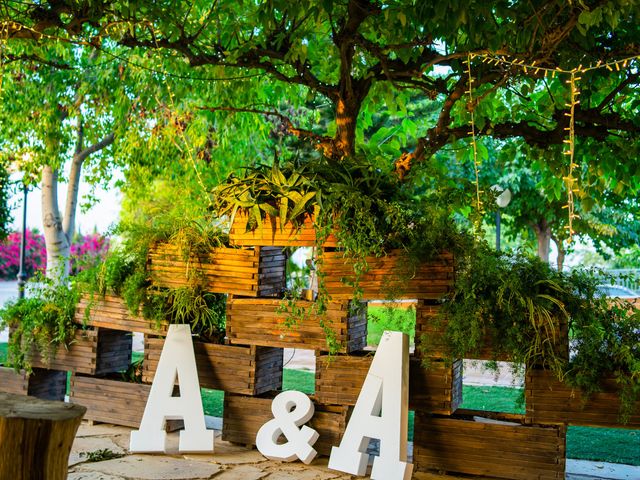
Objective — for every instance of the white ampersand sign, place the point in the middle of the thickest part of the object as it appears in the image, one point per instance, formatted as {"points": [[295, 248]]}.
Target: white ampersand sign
{"points": [[290, 410]]}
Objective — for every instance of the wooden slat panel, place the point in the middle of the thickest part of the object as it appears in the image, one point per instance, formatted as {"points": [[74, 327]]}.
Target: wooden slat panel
{"points": [[243, 417], [111, 401], [92, 352], [438, 389], [262, 322], [393, 275], [461, 445], [550, 401], [273, 233], [13, 382], [112, 312], [235, 369], [247, 272]]}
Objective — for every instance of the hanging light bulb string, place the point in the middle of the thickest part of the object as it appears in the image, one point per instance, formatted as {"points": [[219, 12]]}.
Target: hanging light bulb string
{"points": [[571, 182], [474, 143]]}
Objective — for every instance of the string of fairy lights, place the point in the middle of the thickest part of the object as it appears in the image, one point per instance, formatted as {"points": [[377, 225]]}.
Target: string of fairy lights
{"points": [[533, 69], [575, 75], [474, 144]]}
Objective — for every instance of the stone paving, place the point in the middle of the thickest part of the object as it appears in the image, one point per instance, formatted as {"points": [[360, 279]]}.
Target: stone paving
{"points": [[229, 462], [235, 462]]}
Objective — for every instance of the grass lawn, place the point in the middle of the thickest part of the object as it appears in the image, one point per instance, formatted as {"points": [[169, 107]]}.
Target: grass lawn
{"points": [[390, 318]]}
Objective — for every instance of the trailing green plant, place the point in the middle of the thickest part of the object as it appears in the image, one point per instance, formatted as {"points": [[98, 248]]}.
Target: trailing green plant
{"points": [[39, 323], [124, 273], [523, 309]]}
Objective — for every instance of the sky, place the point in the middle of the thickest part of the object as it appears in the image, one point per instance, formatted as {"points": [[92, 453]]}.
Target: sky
{"points": [[100, 217]]}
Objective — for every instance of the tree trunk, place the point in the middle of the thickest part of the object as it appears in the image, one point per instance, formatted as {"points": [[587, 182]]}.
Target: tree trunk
{"points": [[58, 232], [562, 252], [36, 437], [57, 243], [346, 116], [543, 234]]}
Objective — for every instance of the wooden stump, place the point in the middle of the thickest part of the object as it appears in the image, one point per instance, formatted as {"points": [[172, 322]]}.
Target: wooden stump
{"points": [[36, 437]]}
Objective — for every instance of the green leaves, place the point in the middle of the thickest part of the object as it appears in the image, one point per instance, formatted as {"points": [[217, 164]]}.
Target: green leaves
{"points": [[287, 195]]}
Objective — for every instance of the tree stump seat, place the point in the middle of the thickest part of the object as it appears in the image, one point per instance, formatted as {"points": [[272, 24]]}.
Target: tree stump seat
{"points": [[36, 437]]}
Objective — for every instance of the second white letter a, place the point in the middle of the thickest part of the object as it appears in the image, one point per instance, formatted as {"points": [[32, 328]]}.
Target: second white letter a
{"points": [[382, 412]]}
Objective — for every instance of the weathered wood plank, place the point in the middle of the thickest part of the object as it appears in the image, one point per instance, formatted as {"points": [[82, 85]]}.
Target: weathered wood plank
{"points": [[467, 446], [550, 401], [243, 417], [247, 370], [265, 322]]}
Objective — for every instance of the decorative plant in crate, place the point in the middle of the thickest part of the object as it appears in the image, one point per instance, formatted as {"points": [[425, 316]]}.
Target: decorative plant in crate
{"points": [[124, 273], [43, 321], [535, 315]]}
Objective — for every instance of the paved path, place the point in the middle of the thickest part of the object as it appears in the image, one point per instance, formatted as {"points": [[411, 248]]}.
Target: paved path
{"points": [[233, 462]]}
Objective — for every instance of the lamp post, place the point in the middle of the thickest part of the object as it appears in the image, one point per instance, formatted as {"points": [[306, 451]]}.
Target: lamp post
{"points": [[502, 200], [22, 274]]}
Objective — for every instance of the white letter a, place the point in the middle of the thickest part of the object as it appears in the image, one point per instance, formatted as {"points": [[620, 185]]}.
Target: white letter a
{"points": [[382, 412], [177, 361]]}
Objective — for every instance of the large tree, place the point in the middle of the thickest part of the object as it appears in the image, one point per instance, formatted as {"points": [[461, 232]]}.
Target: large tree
{"points": [[361, 56]]}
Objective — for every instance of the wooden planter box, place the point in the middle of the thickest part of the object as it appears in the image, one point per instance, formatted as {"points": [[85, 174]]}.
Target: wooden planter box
{"points": [[110, 401], [243, 417], [430, 331], [513, 451], [550, 401], [438, 389], [245, 370], [112, 312], [273, 233], [94, 352], [42, 383], [392, 276], [258, 272], [261, 322]]}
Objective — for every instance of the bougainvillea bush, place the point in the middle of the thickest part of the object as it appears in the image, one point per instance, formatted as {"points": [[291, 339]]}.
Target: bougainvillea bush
{"points": [[35, 255], [86, 251]]}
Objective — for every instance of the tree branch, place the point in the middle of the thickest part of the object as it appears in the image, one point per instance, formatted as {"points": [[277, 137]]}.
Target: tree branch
{"points": [[321, 142], [105, 142], [621, 86]]}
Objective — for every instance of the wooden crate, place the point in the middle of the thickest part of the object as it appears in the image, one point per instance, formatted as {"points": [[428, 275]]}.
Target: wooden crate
{"points": [[257, 272], [273, 233], [237, 369], [509, 450], [42, 383], [94, 352], [430, 332], [437, 389], [112, 312], [549, 400], [243, 417], [392, 276], [431, 328], [262, 322], [110, 401]]}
